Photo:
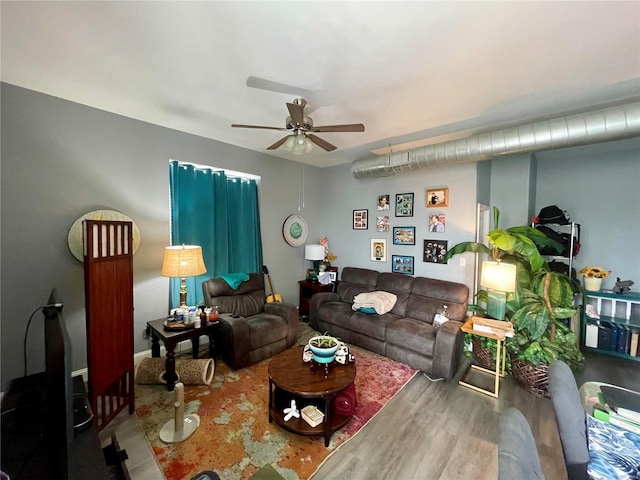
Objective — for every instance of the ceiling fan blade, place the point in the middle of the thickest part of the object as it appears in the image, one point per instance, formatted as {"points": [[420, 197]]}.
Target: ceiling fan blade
{"points": [[278, 143], [321, 143], [237, 125], [296, 112], [348, 127]]}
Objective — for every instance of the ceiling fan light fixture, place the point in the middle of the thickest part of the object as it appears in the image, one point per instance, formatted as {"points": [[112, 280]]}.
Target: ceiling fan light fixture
{"points": [[298, 144]]}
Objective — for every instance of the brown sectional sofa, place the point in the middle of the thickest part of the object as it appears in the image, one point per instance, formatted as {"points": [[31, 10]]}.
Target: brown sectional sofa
{"points": [[405, 334]]}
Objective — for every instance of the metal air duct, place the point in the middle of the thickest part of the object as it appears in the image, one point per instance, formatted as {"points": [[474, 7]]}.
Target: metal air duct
{"points": [[605, 125]]}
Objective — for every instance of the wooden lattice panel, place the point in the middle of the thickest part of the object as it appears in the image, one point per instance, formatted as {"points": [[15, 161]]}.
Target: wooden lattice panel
{"points": [[108, 273]]}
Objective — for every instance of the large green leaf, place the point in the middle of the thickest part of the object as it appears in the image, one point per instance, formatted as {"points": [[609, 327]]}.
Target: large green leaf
{"points": [[502, 239], [466, 247]]}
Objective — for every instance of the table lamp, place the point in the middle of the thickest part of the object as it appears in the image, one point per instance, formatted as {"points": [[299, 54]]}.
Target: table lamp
{"points": [[499, 279], [180, 262], [315, 253]]}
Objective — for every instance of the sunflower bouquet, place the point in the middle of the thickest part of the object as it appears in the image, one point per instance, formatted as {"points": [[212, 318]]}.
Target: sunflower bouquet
{"points": [[594, 272]]}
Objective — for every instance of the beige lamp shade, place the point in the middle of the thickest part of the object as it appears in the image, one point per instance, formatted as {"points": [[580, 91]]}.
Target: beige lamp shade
{"points": [[498, 276], [183, 261]]}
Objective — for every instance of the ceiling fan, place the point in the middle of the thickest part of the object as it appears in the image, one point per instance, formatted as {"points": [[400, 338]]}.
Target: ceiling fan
{"points": [[301, 126]]}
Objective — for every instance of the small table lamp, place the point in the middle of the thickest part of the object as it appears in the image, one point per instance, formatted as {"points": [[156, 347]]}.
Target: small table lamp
{"points": [[315, 253], [498, 278], [180, 262]]}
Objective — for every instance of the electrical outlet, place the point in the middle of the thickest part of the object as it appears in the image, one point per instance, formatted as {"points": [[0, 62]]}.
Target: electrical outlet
{"points": [[463, 262], [146, 333]]}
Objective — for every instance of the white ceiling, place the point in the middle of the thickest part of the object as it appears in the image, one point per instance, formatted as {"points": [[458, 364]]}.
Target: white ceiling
{"points": [[410, 71]]}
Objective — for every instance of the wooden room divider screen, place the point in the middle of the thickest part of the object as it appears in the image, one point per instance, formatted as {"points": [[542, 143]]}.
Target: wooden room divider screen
{"points": [[108, 282]]}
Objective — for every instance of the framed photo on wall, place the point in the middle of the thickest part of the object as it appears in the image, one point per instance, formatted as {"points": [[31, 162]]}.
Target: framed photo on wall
{"points": [[402, 264], [378, 250], [437, 197], [360, 219], [404, 235], [382, 223], [437, 223], [383, 202], [434, 250], [404, 205]]}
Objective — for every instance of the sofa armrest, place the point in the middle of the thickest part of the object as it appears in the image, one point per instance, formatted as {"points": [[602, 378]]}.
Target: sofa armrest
{"points": [[235, 334], [289, 312], [316, 302], [447, 350]]}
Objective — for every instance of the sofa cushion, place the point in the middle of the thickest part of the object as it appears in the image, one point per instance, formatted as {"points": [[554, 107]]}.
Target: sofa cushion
{"points": [[246, 305], [335, 313], [265, 329], [354, 281], [398, 284], [367, 310], [428, 295], [411, 334], [371, 325]]}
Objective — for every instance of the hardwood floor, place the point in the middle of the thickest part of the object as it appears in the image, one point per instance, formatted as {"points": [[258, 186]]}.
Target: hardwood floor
{"points": [[429, 430]]}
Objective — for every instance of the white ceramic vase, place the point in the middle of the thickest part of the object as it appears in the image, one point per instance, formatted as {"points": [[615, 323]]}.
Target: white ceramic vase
{"points": [[592, 284]]}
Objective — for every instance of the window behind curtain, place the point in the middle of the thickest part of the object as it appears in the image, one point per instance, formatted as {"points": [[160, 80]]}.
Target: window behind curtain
{"points": [[220, 213]]}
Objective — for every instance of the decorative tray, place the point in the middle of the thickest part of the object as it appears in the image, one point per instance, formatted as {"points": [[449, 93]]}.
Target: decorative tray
{"points": [[177, 326]]}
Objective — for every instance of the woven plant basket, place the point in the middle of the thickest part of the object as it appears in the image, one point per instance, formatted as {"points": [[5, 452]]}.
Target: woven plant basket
{"points": [[533, 378], [482, 355]]}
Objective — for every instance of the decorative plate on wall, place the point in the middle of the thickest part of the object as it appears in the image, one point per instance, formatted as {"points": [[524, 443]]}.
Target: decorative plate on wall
{"points": [[295, 230], [74, 238]]}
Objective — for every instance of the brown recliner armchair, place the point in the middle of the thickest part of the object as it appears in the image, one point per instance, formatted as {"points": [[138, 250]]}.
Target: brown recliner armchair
{"points": [[261, 330]]}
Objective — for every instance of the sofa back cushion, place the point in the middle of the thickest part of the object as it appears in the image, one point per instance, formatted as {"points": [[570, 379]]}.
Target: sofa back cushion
{"points": [[354, 281], [247, 300], [428, 295], [398, 284]]}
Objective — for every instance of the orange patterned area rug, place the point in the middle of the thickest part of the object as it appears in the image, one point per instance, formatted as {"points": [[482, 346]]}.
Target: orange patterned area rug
{"points": [[235, 438]]}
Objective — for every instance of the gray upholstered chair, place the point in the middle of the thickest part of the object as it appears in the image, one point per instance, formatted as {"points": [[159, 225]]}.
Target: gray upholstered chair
{"points": [[517, 452], [571, 419], [261, 330]]}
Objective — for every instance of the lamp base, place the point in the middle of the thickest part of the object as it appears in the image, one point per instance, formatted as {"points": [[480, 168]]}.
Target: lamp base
{"points": [[496, 304]]}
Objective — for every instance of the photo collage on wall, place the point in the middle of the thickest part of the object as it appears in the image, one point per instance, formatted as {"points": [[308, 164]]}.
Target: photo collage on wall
{"points": [[434, 249]]}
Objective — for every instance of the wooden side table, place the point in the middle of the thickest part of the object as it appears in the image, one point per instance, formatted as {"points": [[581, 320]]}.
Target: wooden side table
{"points": [[308, 290], [171, 338], [501, 355]]}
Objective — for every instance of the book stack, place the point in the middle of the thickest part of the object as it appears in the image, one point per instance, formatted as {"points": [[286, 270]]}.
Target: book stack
{"points": [[619, 407], [614, 337]]}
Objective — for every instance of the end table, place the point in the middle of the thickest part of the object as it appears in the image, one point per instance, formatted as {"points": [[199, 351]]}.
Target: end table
{"points": [[171, 338], [309, 289], [501, 352]]}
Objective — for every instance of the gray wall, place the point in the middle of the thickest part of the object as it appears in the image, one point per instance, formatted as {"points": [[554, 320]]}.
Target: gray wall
{"points": [[61, 160]]}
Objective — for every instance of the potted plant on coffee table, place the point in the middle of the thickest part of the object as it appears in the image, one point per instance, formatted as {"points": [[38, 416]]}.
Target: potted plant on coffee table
{"points": [[538, 308]]}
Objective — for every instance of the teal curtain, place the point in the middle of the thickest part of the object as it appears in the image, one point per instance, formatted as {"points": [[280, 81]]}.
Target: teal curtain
{"points": [[220, 213]]}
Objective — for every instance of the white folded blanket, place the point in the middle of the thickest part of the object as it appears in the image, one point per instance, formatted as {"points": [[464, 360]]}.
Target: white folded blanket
{"points": [[382, 302]]}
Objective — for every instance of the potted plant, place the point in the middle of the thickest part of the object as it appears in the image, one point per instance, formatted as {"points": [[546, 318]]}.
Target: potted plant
{"points": [[538, 308], [593, 278]]}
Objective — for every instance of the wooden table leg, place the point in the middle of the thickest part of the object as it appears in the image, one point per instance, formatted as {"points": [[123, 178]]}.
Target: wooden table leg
{"points": [[211, 345], [270, 400], [155, 346], [327, 419], [195, 346]]}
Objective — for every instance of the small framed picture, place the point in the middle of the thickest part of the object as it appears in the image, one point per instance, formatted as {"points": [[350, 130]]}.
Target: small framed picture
{"points": [[383, 202], [434, 250], [360, 219], [378, 250], [437, 223], [402, 264], [437, 197], [404, 235], [404, 205], [382, 224], [333, 275]]}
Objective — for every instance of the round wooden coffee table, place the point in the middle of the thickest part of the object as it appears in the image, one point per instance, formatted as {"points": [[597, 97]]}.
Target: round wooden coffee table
{"points": [[291, 379]]}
